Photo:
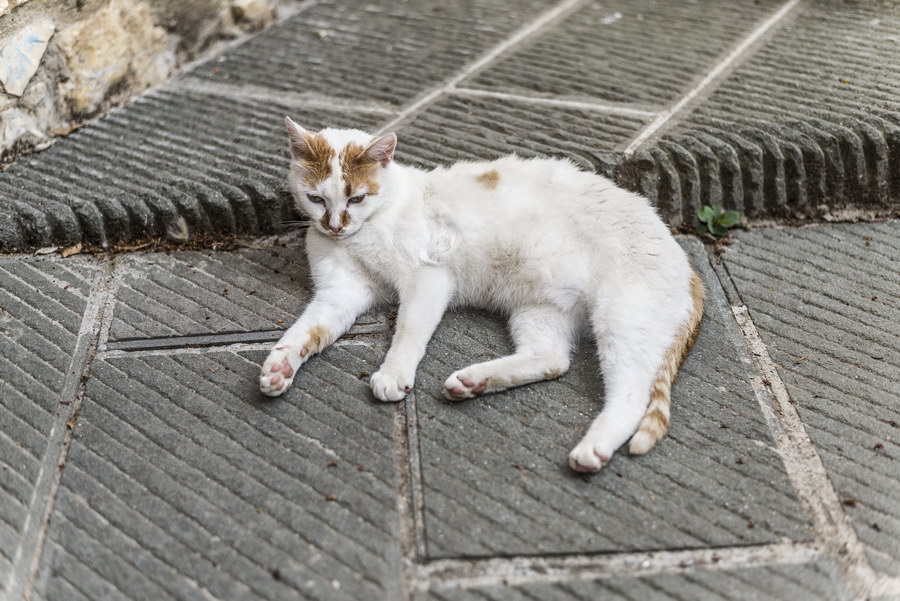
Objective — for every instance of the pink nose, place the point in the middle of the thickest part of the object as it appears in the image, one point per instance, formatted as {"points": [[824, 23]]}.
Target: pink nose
{"points": [[335, 229]]}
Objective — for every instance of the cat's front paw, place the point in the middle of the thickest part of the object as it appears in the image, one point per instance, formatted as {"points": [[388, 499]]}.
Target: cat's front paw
{"points": [[588, 457], [388, 387], [458, 387], [277, 372]]}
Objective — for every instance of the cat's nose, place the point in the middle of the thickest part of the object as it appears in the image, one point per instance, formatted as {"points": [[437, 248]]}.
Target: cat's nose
{"points": [[335, 228]]}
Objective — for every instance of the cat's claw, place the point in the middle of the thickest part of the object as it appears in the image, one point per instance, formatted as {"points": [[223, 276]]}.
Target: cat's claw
{"points": [[458, 388], [277, 373], [388, 387], [585, 458]]}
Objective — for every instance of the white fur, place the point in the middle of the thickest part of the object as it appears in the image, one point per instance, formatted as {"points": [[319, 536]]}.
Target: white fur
{"points": [[557, 249]]}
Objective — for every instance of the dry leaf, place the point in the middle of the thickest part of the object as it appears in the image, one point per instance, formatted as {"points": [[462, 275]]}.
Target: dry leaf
{"points": [[75, 249], [46, 250]]}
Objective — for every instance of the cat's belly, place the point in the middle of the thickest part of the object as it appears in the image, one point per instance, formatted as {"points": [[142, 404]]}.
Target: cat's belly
{"points": [[506, 281]]}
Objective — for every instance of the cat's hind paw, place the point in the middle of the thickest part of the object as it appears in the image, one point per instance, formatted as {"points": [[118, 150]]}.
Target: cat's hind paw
{"points": [[277, 373], [458, 388], [585, 458], [388, 387]]}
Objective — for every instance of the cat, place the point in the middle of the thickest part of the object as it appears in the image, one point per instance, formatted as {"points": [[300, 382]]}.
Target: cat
{"points": [[557, 249]]}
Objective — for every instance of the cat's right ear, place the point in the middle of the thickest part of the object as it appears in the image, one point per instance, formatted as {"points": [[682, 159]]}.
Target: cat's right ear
{"points": [[299, 137]]}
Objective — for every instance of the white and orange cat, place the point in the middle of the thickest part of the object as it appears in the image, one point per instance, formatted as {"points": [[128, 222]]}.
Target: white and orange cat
{"points": [[557, 249]]}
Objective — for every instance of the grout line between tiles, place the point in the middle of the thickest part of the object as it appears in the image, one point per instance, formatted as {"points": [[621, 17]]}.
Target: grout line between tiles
{"points": [[802, 463], [26, 559]]}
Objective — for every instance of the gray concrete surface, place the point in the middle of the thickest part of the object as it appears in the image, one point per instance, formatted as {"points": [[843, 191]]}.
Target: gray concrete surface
{"points": [[140, 462], [773, 108]]}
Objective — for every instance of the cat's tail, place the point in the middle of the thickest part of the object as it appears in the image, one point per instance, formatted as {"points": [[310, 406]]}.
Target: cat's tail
{"points": [[655, 422]]}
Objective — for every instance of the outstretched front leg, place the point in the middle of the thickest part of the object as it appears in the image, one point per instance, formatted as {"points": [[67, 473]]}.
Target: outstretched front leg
{"points": [[422, 304], [334, 308]]}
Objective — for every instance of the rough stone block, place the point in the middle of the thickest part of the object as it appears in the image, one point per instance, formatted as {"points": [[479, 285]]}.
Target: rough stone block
{"points": [[824, 302], [494, 470], [118, 42], [21, 54]]}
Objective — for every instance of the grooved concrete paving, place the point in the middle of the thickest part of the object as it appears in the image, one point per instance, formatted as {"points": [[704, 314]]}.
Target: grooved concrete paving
{"points": [[810, 122], [494, 474], [217, 162], [825, 301], [644, 52], [381, 50], [491, 128], [773, 108], [41, 304], [183, 482], [804, 582], [180, 481], [205, 292]]}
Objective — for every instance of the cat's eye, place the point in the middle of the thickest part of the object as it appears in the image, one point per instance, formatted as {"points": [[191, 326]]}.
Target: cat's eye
{"points": [[357, 199], [316, 199]]}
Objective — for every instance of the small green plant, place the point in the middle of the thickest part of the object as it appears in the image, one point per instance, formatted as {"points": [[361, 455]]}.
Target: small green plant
{"points": [[717, 220]]}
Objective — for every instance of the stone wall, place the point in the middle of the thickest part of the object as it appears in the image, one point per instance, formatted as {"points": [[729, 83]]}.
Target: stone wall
{"points": [[65, 61]]}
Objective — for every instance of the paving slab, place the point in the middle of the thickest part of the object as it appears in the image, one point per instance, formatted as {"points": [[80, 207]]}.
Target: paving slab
{"points": [[41, 307], [808, 123], [381, 51], [494, 472], [218, 162], [190, 293], [182, 481], [459, 128], [817, 581], [643, 53], [825, 302]]}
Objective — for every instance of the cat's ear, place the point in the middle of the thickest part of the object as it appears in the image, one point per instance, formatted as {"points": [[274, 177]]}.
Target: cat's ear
{"points": [[381, 149], [299, 139]]}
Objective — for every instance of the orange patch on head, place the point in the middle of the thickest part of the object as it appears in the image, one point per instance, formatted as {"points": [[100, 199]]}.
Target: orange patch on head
{"points": [[316, 160], [489, 179], [345, 218], [326, 219], [358, 169]]}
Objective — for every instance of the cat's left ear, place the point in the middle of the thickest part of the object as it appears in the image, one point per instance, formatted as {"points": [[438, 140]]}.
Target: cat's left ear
{"points": [[382, 148]]}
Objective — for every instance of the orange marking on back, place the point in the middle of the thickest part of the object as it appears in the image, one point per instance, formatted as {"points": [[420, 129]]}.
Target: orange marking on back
{"points": [[488, 179]]}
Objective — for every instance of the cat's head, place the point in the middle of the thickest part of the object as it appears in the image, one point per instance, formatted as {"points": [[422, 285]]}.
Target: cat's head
{"points": [[338, 176]]}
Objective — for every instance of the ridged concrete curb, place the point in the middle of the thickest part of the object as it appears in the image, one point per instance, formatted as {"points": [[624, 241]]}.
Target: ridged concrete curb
{"points": [[790, 110]]}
